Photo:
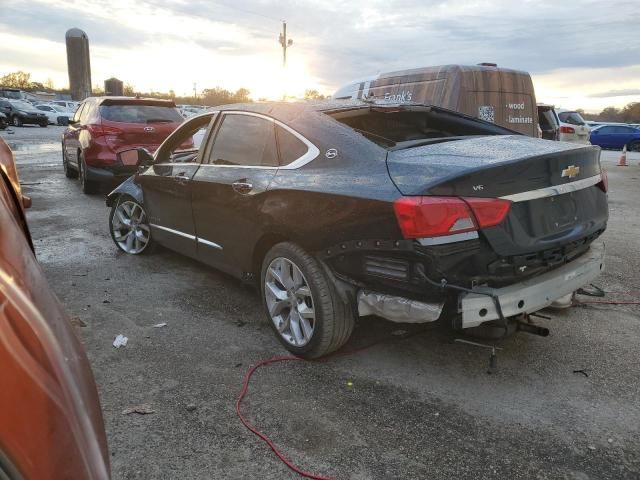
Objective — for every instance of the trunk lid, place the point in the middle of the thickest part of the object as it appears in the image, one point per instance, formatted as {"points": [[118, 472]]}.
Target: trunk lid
{"points": [[553, 186]]}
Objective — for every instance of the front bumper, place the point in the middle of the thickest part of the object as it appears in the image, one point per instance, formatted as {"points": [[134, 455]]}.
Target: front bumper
{"points": [[535, 293]]}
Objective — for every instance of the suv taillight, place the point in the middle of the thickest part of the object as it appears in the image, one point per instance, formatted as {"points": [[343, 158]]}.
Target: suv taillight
{"points": [[565, 129], [420, 217]]}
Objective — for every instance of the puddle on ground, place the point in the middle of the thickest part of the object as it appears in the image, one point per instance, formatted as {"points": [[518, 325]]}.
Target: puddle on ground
{"points": [[34, 147]]}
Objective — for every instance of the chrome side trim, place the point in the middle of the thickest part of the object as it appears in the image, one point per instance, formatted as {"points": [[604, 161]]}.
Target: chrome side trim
{"points": [[456, 237], [186, 235], [555, 190], [209, 244], [171, 230]]}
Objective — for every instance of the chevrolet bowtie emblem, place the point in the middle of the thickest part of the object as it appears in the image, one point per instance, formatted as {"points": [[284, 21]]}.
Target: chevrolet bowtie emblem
{"points": [[571, 171]]}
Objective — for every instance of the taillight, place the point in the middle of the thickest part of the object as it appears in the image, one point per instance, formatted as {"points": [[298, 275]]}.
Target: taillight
{"points": [[489, 212], [564, 129], [420, 217], [604, 183]]}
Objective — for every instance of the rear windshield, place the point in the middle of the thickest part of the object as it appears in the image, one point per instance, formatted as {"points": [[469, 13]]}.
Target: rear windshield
{"points": [[572, 118], [405, 127], [140, 114]]}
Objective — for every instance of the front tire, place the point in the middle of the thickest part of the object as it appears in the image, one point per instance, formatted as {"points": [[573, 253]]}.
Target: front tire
{"points": [[302, 304], [87, 186], [129, 226], [17, 121]]}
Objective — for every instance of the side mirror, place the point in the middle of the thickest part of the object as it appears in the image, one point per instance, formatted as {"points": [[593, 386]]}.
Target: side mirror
{"points": [[140, 157]]}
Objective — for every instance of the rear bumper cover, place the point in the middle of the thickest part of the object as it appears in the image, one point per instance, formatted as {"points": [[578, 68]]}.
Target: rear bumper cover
{"points": [[535, 293]]}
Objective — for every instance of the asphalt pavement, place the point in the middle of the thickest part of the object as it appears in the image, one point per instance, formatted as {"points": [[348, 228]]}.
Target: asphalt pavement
{"points": [[415, 405]]}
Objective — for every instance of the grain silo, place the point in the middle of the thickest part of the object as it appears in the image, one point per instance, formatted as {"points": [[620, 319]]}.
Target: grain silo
{"points": [[113, 86], [78, 63]]}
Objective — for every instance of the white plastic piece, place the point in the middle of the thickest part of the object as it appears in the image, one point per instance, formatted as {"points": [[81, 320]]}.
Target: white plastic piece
{"points": [[120, 341], [397, 309], [160, 325]]}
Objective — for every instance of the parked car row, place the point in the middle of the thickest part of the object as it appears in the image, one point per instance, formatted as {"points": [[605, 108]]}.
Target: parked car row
{"points": [[19, 113]]}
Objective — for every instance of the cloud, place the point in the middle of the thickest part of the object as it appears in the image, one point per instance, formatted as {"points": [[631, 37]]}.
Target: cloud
{"points": [[625, 92]]}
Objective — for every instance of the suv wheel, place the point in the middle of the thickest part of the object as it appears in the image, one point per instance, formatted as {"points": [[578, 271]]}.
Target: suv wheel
{"points": [[69, 171], [17, 122], [303, 306], [634, 146], [129, 226], [86, 185]]}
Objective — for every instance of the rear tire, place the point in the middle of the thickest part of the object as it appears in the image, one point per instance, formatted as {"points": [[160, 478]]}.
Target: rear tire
{"points": [[87, 186], [69, 172], [302, 304], [634, 146], [44, 125]]}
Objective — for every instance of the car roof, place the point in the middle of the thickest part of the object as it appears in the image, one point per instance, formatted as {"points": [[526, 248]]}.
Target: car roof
{"points": [[121, 100]]}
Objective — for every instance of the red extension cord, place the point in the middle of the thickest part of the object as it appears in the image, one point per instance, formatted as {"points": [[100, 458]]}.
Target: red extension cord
{"points": [[252, 370]]}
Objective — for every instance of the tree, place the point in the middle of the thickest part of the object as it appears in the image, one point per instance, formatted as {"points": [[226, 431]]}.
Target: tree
{"points": [[313, 95], [128, 90], [19, 79]]}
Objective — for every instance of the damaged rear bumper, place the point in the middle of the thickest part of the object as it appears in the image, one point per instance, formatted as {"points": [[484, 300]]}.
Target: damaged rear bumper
{"points": [[535, 293], [474, 309]]}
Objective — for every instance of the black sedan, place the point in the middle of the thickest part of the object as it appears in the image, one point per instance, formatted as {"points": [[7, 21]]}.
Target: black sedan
{"points": [[340, 210]]}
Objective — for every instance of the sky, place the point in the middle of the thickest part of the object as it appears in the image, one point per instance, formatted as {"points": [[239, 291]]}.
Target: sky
{"points": [[581, 54]]}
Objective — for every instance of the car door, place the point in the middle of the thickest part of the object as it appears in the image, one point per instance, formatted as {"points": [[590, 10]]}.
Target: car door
{"points": [[166, 186], [71, 136], [624, 135], [239, 163]]}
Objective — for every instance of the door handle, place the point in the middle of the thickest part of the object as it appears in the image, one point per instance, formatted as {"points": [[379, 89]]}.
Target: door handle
{"points": [[242, 188], [182, 178]]}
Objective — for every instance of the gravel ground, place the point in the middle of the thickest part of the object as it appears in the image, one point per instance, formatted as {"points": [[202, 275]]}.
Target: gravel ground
{"points": [[417, 407]]}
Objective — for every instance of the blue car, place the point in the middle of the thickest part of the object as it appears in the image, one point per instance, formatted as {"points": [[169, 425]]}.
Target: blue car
{"points": [[616, 137]]}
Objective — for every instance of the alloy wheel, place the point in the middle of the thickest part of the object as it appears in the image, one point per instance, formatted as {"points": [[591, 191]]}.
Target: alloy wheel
{"points": [[290, 302], [130, 228]]}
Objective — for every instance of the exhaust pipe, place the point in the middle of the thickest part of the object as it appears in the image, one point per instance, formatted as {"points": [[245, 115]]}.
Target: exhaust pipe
{"points": [[534, 329]]}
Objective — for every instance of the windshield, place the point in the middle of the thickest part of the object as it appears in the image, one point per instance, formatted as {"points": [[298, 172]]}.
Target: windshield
{"points": [[572, 118], [140, 114]]}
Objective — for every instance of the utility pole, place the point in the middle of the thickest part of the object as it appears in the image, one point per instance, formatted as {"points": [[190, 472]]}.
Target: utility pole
{"points": [[286, 43], [195, 92]]}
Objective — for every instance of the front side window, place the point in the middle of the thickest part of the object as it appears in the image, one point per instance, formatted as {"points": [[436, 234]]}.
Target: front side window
{"points": [[76, 116], [245, 140], [185, 143]]}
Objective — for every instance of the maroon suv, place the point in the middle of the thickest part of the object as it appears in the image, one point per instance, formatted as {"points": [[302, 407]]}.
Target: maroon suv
{"points": [[104, 126]]}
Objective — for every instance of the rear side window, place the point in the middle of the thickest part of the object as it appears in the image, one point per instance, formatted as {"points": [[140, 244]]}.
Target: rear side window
{"points": [[606, 130], [624, 130], [77, 115], [245, 140], [291, 148], [572, 118], [140, 114]]}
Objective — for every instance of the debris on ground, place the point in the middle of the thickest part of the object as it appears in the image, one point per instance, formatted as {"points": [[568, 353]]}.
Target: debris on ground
{"points": [[160, 325], [399, 333], [582, 371], [191, 407], [240, 323], [106, 301], [120, 341], [142, 409], [78, 322]]}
